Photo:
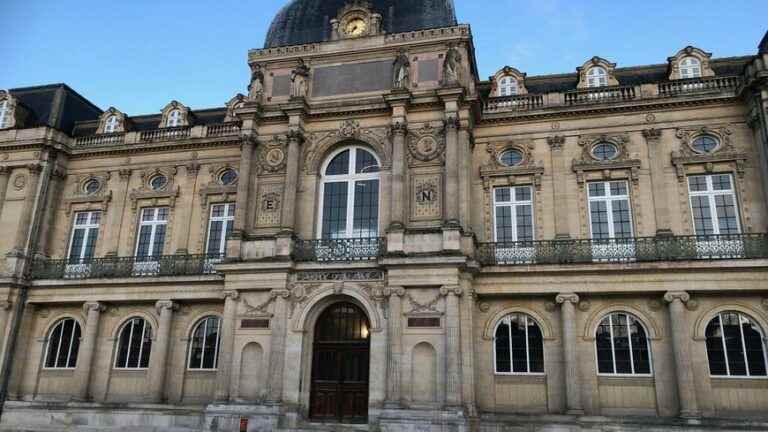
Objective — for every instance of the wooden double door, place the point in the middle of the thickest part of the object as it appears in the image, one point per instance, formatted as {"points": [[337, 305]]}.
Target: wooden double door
{"points": [[340, 366]]}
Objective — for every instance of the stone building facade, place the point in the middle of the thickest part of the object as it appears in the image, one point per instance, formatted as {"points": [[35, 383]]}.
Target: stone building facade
{"points": [[378, 237]]}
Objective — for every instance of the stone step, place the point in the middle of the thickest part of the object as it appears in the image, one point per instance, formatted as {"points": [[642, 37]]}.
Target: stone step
{"points": [[327, 427]]}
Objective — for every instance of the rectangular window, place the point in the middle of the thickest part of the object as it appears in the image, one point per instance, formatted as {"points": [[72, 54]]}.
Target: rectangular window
{"points": [[85, 232], [513, 213], [713, 204], [151, 234], [219, 227], [609, 212]]}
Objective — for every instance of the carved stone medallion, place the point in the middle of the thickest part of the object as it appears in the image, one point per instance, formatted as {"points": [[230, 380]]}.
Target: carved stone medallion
{"points": [[426, 144], [272, 158]]}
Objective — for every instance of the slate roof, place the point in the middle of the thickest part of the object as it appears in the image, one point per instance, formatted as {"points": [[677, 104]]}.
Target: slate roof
{"points": [[56, 106], [306, 21]]}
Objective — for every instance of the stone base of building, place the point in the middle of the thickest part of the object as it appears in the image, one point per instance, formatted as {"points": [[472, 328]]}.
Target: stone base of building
{"points": [[90, 417]]}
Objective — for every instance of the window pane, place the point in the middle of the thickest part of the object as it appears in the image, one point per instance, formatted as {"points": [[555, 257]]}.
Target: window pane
{"points": [[504, 230], [73, 352], [157, 248], [702, 217], [503, 364], [755, 350], [90, 245], [697, 183], [721, 182], [599, 214], [145, 233], [503, 194], [366, 216], [335, 210], [715, 353], [214, 237], [535, 347], [365, 163], [622, 223], [519, 354], [53, 345], [76, 248], [618, 189], [604, 351], [339, 165], [640, 352], [621, 344], [596, 189], [523, 194], [726, 214], [211, 343], [524, 223], [733, 344], [146, 346]]}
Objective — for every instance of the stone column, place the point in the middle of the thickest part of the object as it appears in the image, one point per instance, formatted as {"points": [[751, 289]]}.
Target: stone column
{"points": [[277, 346], [224, 374], [25, 219], [5, 174], [242, 218], [398, 197], [452, 346], [658, 182], [5, 307], [158, 362], [394, 363], [452, 125], [568, 302], [686, 388], [559, 185], [295, 139], [51, 208], [464, 176], [83, 372]]}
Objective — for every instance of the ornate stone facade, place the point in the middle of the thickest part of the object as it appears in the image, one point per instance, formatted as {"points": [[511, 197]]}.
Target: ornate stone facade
{"points": [[189, 258]]}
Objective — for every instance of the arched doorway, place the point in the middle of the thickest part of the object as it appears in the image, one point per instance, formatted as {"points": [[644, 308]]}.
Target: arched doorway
{"points": [[340, 365]]}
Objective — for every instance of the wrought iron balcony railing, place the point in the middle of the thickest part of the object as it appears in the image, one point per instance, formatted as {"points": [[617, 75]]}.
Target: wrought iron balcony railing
{"points": [[125, 267], [339, 250], [640, 249]]}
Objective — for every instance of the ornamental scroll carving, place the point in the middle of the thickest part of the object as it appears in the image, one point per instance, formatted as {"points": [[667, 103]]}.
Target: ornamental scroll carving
{"points": [[272, 158], [426, 144], [302, 295], [725, 152], [319, 144], [621, 161]]}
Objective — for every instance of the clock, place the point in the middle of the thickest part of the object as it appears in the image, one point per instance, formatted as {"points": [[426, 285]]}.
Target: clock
{"points": [[355, 27]]}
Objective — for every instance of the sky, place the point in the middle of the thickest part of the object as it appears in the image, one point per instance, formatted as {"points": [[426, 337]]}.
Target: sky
{"points": [[138, 55]]}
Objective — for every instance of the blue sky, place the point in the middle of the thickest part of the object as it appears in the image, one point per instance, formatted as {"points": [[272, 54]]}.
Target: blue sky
{"points": [[138, 55]]}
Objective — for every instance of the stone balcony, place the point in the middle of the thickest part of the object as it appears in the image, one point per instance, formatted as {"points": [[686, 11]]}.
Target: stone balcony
{"points": [[125, 267], [697, 87]]}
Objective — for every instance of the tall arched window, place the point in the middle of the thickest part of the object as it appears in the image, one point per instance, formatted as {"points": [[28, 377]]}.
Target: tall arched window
{"points": [[134, 345], [349, 197], [507, 86], [110, 126], [597, 77], [4, 114], [622, 346], [690, 67], [174, 118], [63, 345], [204, 345], [736, 346], [518, 345]]}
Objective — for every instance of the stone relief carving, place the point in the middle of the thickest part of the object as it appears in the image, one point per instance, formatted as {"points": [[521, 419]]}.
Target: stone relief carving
{"points": [[272, 157], [420, 306], [401, 71], [725, 152], [17, 115], [319, 144], [256, 87], [427, 197], [622, 160], [426, 144], [452, 66], [360, 275], [300, 80], [269, 205]]}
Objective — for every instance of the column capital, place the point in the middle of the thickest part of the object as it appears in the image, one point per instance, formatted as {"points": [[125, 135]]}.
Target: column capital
{"points": [[556, 142], [231, 294], [447, 290], [567, 297], [166, 305], [295, 135], [281, 293], [394, 291], [399, 127], [125, 174], [673, 296], [652, 135], [452, 121], [35, 168], [94, 307], [248, 139]]}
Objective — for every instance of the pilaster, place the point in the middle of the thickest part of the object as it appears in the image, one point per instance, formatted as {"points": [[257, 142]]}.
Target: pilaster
{"points": [[686, 389], [277, 346], [568, 302], [84, 367], [394, 363], [227, 347], [452, 346], [158, 363]]}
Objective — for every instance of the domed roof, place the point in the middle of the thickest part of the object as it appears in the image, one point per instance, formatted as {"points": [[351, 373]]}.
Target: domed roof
{"points": [[306, 21]]}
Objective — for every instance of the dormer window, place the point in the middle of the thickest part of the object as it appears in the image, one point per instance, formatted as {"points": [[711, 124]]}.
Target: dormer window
{"points": [[508, 86], [4, 114], [597, 77], [174, 118], [111, 124], [690, 67]]}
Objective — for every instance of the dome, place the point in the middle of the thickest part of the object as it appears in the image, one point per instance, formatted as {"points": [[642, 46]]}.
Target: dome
{"points": [[306, 21]]}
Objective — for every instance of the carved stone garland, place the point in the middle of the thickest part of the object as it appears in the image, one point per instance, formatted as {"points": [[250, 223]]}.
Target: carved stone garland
{"points": [[725, 158], [320, 144], [621, 167], [496, 174]]}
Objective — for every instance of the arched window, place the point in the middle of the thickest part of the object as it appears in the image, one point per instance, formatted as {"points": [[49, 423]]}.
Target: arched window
{"points": [[174, 118], [4, 114], [518, 345], [134, 345], [349, 196], [736, 346], [507, 86], [622, 346], [597, 77], [63, 345], [204, 345], [690, 67], [110, 126]]}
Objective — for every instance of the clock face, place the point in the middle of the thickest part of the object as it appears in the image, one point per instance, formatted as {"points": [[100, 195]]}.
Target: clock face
{"points": [[355, 27]]}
